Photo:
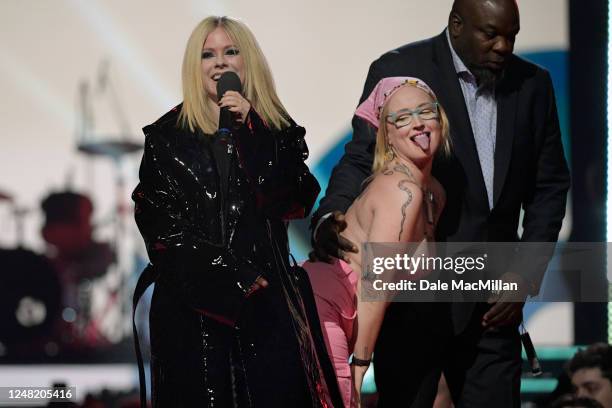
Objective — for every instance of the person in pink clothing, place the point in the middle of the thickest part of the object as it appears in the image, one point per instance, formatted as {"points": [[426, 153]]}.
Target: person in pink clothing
{"points": [[400, 202], [334, 286]]}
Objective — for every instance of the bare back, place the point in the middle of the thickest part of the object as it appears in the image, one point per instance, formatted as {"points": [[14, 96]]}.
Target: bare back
{"points": [[396, 204]]}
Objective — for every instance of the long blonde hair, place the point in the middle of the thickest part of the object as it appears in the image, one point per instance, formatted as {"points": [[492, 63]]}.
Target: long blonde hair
{"points": [[258, 85], [383, 153]]}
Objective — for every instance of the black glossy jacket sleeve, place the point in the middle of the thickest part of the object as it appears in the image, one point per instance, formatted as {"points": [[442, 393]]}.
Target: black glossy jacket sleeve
{"points": [[274, 164], [211, 279]]}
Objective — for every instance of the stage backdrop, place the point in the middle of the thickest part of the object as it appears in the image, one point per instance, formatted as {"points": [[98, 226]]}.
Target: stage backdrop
{"points": [[74, 71]]}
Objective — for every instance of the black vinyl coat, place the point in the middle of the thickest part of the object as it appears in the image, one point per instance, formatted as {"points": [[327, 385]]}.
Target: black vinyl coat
{"points": [[213, 211]]}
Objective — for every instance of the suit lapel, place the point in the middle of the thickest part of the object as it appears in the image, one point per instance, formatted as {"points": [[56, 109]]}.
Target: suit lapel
{"points": [[507, 98], [451, 97]]}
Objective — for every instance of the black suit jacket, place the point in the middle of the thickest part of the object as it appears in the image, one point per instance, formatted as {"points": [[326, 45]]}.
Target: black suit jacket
{"points": [[530, 167]]}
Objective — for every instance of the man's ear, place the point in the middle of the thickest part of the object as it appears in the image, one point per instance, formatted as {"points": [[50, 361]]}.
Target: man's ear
{"points": [[455, 24]]}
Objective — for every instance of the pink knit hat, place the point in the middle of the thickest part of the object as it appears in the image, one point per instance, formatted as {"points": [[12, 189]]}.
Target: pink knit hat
{"points": [[371, 108]]}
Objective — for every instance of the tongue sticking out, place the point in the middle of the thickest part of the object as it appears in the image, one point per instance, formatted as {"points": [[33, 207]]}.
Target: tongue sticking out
{"points": [[422, 140]]}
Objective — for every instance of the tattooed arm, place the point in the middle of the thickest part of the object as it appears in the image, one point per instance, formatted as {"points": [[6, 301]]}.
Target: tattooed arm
{"points": [[396, 206], [396, 201]]}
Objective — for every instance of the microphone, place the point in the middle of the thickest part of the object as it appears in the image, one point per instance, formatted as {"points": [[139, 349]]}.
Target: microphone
{"points": [[229, 81]]}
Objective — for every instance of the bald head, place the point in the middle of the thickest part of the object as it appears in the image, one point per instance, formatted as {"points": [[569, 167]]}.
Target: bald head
{"points": [[466, 8], [482, 32]]}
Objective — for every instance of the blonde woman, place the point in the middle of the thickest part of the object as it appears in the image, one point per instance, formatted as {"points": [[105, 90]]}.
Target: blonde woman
{"points": [[401, 202], [228, 321]]}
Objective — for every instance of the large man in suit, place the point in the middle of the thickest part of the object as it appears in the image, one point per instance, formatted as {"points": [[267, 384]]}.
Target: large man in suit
{"points": [[507, 154]]}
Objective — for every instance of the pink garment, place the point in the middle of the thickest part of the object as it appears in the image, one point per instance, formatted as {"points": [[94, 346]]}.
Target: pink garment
{"points": [[335, 290]]}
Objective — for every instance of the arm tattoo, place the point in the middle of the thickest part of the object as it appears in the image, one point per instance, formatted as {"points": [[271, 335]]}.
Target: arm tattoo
{"points": [[404, 186], [402, 168]]}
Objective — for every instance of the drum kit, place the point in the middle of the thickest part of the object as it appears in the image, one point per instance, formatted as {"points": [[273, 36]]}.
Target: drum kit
{"points": [[37, 319]]}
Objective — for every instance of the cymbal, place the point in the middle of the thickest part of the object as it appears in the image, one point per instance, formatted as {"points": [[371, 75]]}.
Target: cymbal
{"points": [[109, 148]]}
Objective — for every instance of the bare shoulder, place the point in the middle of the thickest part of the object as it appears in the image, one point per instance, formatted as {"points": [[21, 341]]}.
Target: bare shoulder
{"points": [[396, 204], [392, 189]]}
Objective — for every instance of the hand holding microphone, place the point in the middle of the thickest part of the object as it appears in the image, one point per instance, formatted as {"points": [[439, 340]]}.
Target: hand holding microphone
{"points": [[235, 103], [234, 107]]}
